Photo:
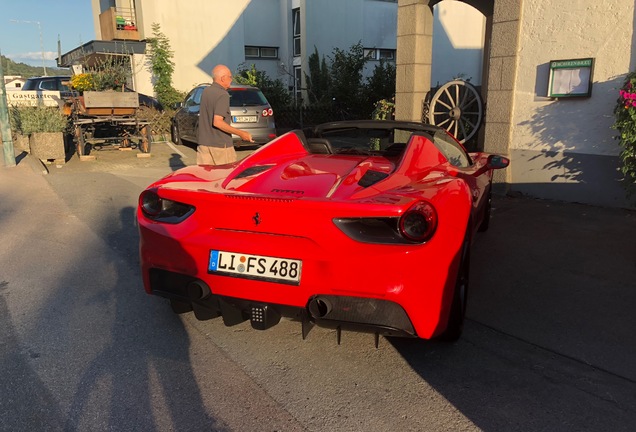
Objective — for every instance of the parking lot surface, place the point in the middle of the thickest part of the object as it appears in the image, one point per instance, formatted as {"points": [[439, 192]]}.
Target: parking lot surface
{"points": [[549, 343]]}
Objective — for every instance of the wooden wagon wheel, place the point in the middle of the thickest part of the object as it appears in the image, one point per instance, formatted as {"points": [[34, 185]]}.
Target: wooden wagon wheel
{"points": [[80, 142], [146, 139], [457, 107]]}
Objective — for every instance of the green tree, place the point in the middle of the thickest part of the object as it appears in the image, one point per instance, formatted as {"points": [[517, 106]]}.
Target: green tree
{"points": [[381, 84], [162, 67], [346, 80], [26, 71], [318, 80], [274, 90]]}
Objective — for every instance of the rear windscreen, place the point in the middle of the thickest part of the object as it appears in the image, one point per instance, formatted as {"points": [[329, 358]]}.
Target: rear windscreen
{"points": [[246, 97]]}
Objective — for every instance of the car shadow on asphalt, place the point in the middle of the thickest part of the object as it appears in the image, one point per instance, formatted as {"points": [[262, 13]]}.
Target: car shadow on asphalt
{"points": [[140, 375], [550, 308]]}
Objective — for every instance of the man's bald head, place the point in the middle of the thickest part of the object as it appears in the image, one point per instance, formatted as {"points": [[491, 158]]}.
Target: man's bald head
{"points": [[220, 75]]}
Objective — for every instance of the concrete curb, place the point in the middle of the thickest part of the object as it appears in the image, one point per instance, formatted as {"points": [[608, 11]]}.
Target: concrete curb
{"points": [[34, 163]]}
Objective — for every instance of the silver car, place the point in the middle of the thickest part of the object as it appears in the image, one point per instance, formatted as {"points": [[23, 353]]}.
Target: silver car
{"points": [[249, 109]]}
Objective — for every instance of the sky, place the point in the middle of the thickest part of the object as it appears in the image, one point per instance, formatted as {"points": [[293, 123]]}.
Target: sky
{"points": [[70, 20]]}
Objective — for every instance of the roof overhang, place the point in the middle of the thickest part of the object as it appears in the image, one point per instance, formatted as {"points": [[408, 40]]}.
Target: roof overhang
{"points": [[90, 52]]}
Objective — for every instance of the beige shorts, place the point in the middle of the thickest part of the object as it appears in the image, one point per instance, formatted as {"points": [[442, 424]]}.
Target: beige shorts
{"points": [[207, 155]]}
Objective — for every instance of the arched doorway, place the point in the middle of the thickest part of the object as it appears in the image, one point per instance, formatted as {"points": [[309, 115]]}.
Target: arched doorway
{"points": [[414, 59]]}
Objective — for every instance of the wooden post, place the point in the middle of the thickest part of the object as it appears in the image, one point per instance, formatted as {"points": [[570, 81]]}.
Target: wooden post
{"points": [[7, 141]]}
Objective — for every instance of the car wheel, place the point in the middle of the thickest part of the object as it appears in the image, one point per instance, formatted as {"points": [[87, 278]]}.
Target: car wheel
{"points": [[485, 223], [175, 134], [458, 307]]}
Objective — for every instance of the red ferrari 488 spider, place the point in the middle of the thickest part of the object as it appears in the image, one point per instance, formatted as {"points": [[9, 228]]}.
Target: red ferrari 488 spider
{"points": [[362, 225]]}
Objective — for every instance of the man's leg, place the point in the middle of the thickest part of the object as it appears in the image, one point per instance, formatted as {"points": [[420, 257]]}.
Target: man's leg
{"points": [[204, 155], [223, 156]]}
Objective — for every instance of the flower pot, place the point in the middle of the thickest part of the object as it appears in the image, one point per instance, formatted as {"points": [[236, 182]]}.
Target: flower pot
{"points": [[47, 145]]}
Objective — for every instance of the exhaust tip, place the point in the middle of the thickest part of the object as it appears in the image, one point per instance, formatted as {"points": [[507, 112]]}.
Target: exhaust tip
{"points": [[319, 308], [198, 290]]}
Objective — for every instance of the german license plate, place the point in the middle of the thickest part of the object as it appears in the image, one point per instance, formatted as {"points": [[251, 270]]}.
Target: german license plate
{"points": [[245, 119], [273, 269]]}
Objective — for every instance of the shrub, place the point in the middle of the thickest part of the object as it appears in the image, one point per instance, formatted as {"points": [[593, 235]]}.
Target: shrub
{"points": [[625, 123], [27, 120]]}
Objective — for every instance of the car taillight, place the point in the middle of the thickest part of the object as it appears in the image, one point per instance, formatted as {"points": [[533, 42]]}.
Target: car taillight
{"points": [[163, 210], [419, 222], [268, 112]]}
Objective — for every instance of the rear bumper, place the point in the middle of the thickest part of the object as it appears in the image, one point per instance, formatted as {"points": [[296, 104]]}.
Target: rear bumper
{"points": [[344, 312]]}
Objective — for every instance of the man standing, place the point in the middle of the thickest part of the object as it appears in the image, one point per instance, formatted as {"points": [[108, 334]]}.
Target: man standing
{"points": [[215, 133]]}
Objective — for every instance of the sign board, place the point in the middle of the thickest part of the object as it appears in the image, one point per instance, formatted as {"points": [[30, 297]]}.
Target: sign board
{"points": [[34, 98], [570, 78]]}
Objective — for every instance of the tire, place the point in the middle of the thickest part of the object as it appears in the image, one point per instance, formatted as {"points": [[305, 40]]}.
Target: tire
{"points": [[176, 138], [146, 139], [485, 223], [80, 144], [460, 295]]}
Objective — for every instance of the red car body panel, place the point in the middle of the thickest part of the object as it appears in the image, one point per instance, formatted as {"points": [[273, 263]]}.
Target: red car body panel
{"points": [[295, 197]]}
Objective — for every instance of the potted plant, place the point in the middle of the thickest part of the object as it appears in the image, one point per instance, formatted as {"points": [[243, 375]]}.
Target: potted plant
{"points": [[45, 127], [102, 89], [20, 140]]}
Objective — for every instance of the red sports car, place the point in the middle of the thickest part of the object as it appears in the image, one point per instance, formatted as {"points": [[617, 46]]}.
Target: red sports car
{"points": [[362, 225]]}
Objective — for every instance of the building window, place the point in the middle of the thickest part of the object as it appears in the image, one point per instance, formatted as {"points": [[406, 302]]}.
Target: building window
{"points": [[379, 54], [251, 51], [296, 26], [261, 52], [268, 52]]}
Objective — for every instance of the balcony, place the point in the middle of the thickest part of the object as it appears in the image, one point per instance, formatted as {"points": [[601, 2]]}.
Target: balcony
{"points": [[118, 24]]}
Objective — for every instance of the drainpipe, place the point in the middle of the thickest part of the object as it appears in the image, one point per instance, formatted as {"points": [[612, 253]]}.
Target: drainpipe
{"points": [[7, 142]]}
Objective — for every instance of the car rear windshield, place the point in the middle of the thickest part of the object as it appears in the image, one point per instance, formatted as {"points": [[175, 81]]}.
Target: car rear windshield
{"points": [[361, 140], [246, 97], [53, 83]]}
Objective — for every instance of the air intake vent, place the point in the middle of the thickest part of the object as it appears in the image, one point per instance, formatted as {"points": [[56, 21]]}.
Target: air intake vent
{"points": [[248, 172], [372, 177]]}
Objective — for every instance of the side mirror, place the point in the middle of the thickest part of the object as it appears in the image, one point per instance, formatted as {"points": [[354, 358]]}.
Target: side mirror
{"points": [[497, 162]]}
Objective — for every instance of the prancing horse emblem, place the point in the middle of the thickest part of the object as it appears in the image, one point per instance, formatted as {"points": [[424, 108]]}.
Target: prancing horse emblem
{"points": [[256, 218]]}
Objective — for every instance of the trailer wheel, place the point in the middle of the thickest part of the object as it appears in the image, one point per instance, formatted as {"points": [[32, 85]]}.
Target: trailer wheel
{"points": [[146, 139], [80, 142]]}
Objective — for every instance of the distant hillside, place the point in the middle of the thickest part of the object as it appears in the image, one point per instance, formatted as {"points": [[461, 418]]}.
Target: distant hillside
{"points": [[9, 67]]}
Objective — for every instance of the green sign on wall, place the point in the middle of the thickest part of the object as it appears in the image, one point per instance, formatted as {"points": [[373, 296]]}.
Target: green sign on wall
{"points": [[570, 78]]}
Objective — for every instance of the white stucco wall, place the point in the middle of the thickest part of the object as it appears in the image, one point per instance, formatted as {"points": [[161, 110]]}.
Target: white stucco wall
{"points": [[564, 148], [330, 24], [201, 34], [458, 43], [552, 30]]}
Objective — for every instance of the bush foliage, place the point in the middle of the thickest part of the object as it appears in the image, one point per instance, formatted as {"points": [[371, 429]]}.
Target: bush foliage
{"points": [[625, 123], [336, 89], [162, 67], [28, 119]]}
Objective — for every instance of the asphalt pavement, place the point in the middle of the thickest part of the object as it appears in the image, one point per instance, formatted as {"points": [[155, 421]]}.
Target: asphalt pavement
{"points": [[554, 280]]}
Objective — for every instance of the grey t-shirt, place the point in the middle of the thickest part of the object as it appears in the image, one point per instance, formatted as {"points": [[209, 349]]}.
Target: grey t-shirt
{"points": [[215, 100]]}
